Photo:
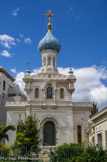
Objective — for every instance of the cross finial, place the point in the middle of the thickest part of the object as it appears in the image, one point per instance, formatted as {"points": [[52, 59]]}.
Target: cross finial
{"points": [[28, 64], [28, 71], [49, 14], [70, 72], [70, 65]]}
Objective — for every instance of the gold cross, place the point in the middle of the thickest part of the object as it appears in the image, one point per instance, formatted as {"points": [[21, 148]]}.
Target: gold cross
{"points": [[28, 64], [49, 14]]}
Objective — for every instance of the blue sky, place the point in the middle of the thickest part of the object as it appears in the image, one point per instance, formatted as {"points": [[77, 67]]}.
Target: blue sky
{"points": [[79, 25]]}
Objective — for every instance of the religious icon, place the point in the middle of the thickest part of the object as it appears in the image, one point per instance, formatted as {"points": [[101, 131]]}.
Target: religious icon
{"points": [[49, 92]]}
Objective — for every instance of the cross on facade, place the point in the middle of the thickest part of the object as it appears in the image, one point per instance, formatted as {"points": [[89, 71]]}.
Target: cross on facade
{"points": [[49, 77]]}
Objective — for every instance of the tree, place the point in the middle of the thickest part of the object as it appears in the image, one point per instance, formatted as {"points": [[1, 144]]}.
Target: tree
{"points": [[28, 133], [4, 130], [94, 109]]}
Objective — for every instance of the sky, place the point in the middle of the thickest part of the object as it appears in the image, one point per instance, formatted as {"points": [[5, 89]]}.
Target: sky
{"points": [[81, 28]]}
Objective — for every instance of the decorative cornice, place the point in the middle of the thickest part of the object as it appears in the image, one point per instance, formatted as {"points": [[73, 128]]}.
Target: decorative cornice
{"points": [[49, 51], [7, 74], [100, 113], [42, 77]]}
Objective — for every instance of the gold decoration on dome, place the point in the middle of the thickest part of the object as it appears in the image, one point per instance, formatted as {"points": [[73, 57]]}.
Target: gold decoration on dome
{"points": [[49, 14]]}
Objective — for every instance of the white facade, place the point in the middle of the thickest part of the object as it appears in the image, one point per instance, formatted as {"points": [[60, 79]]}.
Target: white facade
{"points": [[65, 114], [49, 94]]}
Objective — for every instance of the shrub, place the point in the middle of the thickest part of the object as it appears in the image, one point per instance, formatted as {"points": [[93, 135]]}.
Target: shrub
{"points": [[78, 153], [66, 152]]}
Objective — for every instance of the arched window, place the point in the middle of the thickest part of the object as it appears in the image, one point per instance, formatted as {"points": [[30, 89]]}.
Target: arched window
{"points": [[61, 93], [44, 61], [49, 91], [79, 133], [49, 60], [49, 134], [54, 61], [37, 93]]}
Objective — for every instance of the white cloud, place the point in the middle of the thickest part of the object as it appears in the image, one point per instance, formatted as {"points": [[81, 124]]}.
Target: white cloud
{"points": [[27, 40], [70, 8], [18, 40], [19, 80], [88, 86], [15, 11], [5, 53], [99, 95], [35, 71], [21, 35], [13, 71], [7, 41]]}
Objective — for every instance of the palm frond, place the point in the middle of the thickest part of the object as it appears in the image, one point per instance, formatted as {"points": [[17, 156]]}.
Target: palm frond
{"points": [[10, 127]]}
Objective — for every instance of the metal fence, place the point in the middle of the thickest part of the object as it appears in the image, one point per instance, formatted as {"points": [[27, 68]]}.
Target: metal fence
{"points": [[45, 154]]}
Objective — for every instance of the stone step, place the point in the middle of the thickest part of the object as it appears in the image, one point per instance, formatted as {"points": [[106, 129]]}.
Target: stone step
{"points": [[43, 155]]}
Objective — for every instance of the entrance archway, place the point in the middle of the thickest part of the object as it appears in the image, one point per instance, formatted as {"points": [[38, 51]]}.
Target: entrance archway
{"points": [[49, 134]]}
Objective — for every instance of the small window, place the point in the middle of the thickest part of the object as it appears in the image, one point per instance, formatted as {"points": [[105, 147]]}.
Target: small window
{"points": [[49, 92], [53, 61], [37, 93], [61, 93], [49, 61], [44, 61], [99, 139], [4, 85], [106, 137], [79, 134], [3, 95]]}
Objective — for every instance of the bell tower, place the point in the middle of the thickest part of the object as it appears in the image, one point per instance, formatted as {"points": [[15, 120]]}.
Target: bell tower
{"points": [[49, 48]]}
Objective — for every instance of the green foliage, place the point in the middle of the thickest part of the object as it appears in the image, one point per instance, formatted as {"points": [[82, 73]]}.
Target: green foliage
{"points": [[94, 109], [2, 145], [28, 134], [4, 150], [4, 130], [92, 154], [78, 153], [66, 152]]}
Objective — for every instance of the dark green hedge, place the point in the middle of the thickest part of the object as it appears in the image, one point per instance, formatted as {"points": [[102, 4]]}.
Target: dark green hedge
{"points": [[78, 153]]}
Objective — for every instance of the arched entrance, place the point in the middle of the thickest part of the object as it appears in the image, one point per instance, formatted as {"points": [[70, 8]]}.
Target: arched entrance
{"points": [[49, 134]]}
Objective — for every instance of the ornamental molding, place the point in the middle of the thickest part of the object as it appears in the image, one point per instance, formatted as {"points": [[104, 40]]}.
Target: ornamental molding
{"points": [[49, 52], [16, 108], [53, 77], [18, 103], [49, 117], [82, 104]]}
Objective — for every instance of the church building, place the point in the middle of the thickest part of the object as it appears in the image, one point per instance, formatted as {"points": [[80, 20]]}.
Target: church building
{"points": [[49, 95]]}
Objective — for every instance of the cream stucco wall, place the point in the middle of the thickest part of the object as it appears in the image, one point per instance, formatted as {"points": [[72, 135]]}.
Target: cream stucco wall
{"points": [[8, 81], [98, 126], [101, 128]]}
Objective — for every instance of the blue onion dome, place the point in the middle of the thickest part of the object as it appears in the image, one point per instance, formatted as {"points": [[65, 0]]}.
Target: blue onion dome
{"points": [[49, 42]]}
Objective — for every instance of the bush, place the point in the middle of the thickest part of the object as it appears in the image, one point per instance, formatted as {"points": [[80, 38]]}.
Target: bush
{"points": [[78, 153], [27, 135], [4, 150], [66, 152]]}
